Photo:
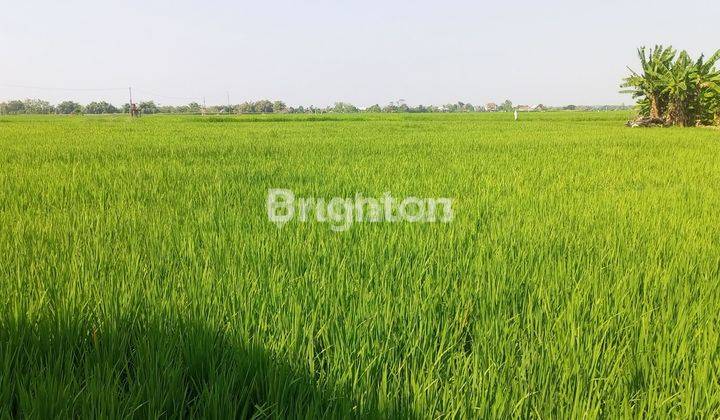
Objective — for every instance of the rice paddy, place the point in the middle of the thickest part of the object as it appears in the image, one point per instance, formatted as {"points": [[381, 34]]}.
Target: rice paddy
{"points": [[140, 275]]}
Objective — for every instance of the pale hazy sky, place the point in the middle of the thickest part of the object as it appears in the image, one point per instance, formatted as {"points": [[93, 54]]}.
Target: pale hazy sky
{"points": [[319, 52]]}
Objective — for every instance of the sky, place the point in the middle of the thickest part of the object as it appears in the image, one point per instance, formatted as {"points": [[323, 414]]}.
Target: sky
{"points": [[554, 52]]}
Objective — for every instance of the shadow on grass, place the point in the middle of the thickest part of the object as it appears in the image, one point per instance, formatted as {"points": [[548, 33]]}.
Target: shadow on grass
{"points": [[56, 367]]}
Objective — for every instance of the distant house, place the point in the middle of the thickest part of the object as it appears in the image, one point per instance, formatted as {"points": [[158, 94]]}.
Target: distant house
{"points": [[523, 108], [491, 107], [539, 108]]}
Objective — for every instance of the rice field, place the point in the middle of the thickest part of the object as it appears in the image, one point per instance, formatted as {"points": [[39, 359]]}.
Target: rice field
{"points": [[140, 276]]}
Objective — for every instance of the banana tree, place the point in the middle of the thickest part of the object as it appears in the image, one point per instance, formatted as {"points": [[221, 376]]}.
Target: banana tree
{"points": [[714, 103], [647, 86], [678, 85], [706, 80]]}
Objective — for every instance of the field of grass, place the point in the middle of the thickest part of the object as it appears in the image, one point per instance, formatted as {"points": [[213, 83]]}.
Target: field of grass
{"points": [[140, 276]]}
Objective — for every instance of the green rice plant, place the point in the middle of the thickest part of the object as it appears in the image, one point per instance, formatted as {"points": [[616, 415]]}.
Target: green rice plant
{"points": [[141, 277]]}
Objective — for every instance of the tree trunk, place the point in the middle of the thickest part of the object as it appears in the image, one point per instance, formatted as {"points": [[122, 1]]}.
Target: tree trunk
{"points": [[676, 113], [654, 107]]}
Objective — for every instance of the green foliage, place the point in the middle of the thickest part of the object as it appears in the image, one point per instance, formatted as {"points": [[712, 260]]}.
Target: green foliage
{"points": [[194, 108], [28, 106], [344, 108], [279, 107], [38, 106], [460, 107], [396, 107], [13, 107], [140, 277], [148, 107], [260, 107], [674, 88], [263, 106], [506, 106], [707, 82], [69, 107], [646, 86], [101, 107]]}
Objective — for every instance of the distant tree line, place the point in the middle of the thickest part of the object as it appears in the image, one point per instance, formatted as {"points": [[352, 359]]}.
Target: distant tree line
{"points": [[36, 106], [674, 89]]}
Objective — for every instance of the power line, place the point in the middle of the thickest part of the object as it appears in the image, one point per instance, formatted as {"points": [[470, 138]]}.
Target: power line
{"points": [[61, 89], [138, 92], [184, 98], [64, 89]]}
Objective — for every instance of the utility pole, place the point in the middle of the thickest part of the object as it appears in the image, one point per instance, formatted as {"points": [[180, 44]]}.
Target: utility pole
{"points": [[130, 90], [204, 106], [228, 99]]}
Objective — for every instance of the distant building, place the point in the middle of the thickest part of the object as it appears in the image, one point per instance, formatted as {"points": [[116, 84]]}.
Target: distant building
{"points": [[523, 108], [491, 107]]}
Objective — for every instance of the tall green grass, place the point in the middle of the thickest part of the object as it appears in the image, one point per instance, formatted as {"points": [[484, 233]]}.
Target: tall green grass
{"points": [[140, 277]]}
